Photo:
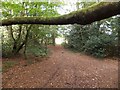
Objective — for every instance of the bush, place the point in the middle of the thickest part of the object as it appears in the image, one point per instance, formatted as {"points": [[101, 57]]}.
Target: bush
{"points": [[98, 45], [95, 47], [6, 50], [36, 50]]}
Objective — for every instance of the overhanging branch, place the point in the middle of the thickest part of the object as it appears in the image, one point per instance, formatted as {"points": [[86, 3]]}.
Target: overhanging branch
{"points": [[85, 16]]}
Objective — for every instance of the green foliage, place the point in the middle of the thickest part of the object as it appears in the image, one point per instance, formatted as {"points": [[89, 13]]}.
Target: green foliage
{"points": [[41, 36], [6, 44], [35, 39], [29, 9], [98, 39], [6, 50], [36, 50], [95, 47]]}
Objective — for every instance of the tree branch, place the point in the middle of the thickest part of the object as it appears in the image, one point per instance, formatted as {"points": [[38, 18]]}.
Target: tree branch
{"points": [[85, 16]]}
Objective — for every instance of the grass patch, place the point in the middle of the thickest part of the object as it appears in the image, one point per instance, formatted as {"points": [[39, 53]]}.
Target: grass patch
{"points": [[8, 64]]}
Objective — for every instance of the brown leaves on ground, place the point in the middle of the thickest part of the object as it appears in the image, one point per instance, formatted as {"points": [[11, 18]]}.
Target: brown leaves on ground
{"points": [[64, 69]]}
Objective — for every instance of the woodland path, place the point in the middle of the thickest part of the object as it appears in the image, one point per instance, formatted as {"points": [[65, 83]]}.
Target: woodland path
{"points": [[64, 69]]}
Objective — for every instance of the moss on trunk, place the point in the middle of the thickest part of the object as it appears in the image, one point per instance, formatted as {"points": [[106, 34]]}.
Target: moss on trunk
{"points": [[84, 16]]}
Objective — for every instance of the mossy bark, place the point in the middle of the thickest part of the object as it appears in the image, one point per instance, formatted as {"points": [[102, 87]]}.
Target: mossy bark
{"points": [[84, 16]]}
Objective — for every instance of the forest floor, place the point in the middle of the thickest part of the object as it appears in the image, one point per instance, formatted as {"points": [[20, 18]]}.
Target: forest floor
{"points": [[63, 69]]}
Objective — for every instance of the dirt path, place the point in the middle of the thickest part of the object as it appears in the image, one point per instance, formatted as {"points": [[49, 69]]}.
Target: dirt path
{"points": [[64, 69]]}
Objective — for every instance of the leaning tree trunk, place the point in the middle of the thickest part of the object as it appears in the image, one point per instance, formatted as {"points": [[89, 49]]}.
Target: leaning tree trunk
{"points": [[84, 16]]}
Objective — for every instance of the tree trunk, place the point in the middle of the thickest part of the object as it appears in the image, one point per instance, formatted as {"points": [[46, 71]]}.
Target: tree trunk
{"points": [[26, 40], [85, 16], [119, 39], [14, 40], [14, 50], [53, 39], [17, 47]]}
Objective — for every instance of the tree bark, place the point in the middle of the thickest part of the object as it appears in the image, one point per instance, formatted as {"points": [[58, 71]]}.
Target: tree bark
{"points": [[14, 40], [53, 39], [84, 16], [26, 39]]}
